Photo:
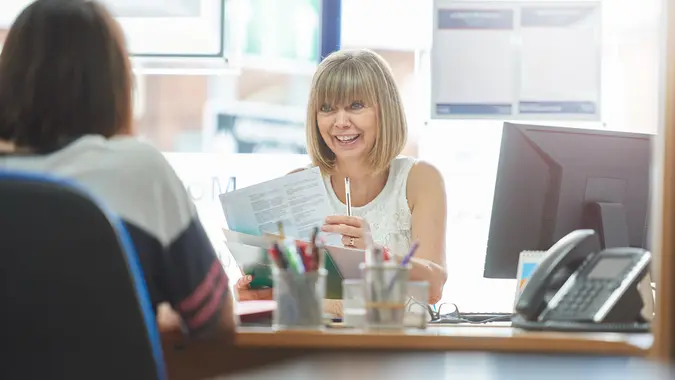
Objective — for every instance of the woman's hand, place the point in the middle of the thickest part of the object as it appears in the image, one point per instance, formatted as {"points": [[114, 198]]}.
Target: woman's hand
{"points": [[245, 293], [354, 230]]}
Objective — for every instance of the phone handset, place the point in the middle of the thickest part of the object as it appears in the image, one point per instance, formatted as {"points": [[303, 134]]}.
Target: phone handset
{"points": [[531, 301]]}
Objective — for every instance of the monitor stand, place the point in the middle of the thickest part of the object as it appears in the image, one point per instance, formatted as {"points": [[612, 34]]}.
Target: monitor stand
{"points": [[609, 222]]}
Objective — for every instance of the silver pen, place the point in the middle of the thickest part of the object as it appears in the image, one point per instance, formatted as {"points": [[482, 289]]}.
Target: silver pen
{"points": [[348, 196]]}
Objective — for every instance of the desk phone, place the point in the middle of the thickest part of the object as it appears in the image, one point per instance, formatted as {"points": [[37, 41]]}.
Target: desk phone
{"points": [[599, 290]]}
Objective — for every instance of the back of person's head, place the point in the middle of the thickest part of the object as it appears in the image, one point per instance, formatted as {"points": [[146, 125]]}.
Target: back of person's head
{"points": [[64, 73]]}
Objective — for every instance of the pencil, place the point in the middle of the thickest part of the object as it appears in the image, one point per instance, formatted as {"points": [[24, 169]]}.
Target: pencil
{"points": [[280, 227], [348, 196]]}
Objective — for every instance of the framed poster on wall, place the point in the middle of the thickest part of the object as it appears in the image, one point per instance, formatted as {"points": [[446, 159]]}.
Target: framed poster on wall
{"points": [[516, 60]]}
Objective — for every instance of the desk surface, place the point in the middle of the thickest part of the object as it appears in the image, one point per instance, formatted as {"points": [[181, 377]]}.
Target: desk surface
{"points": [[256, 347], [452, 337], [437, 365]]}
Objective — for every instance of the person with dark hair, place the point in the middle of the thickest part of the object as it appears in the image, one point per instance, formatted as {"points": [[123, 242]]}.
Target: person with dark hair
{"points": [[66, 107]]}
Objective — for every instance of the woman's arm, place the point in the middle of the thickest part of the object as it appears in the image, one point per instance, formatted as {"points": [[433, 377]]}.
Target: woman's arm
{"points": [[426, 197]]}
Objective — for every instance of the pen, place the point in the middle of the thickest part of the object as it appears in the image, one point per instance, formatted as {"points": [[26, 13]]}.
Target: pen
{"points": [[314, 249], [348, 196], [276, 250], [404, 263], [385, 254], [305, 251], [410, 254], [280, 227], [294, 257], [274, 254]]}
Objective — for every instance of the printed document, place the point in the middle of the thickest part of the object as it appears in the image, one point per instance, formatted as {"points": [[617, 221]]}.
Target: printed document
{"points": [[298, 200]]}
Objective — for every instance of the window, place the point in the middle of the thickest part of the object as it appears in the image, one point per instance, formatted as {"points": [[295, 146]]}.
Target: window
{"points": [[172, 28]]}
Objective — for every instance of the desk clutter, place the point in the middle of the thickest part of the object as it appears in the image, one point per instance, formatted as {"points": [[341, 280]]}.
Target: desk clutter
{"points": [[381, 299], [300, 283]]}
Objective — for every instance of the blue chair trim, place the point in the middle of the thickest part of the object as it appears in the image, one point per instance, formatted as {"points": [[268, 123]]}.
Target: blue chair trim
{"points": [[129, 250]]}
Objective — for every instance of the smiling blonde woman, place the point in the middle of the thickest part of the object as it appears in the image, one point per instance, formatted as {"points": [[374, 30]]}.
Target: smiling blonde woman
{"points": [[356, 128]]}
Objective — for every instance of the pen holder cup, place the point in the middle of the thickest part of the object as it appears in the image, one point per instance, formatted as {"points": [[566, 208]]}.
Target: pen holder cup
{"points": [[299, 298], [353, 305], [385, 294], [417, 308]]}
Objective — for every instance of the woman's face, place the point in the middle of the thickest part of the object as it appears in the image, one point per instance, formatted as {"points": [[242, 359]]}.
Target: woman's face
{"points": [[348, 130]]}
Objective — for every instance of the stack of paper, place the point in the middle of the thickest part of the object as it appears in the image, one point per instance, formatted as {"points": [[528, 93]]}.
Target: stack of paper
{"points": [[249, 250], [297, 200], [300, 202]]}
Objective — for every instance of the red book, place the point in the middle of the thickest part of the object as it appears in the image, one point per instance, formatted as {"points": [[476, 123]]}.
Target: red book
{"points": [[250, 311]]}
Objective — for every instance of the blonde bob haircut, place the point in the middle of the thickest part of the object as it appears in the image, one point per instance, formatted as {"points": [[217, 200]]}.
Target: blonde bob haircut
{"points": [[357, 75]]}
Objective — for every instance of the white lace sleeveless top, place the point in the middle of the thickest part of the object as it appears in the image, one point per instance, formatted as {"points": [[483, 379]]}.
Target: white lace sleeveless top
{"points": [[389, 213]]}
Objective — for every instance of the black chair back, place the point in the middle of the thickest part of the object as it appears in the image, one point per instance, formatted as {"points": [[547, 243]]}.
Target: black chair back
{"points": [[73, 301]]}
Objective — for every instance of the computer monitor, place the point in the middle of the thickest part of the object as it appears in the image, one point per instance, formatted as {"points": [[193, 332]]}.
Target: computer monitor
{"points": [[553, 180]]}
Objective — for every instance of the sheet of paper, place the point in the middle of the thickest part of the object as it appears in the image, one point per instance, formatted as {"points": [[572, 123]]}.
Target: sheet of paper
{"points": [[298, 200], [347, 260], [246, 239], [254, 307], [246, 250], [246, 255]]}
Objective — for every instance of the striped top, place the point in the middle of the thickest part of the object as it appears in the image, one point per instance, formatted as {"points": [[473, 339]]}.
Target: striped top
{"points": [[135, 181]]}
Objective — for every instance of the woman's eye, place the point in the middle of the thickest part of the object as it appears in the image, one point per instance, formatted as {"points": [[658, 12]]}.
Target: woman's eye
{"points": [[357, 105], [326, 108]]}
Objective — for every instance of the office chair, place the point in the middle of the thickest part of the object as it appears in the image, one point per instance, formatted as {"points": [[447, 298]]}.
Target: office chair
{"points": [[73, 300]]}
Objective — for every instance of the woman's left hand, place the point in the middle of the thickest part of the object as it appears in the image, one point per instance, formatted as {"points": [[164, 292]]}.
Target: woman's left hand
{"points": [[245, 293], [354, 230]]}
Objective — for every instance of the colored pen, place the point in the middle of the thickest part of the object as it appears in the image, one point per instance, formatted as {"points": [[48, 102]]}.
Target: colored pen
{"points": [[404, 263], [348, 196], [305, 251], [314, 249], [276, 252], [275, 257], [294, 258], [410, 254]]}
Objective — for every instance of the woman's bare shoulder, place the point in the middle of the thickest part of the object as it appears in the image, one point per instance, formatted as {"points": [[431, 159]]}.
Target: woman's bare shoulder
{"points": [[424, 181]]}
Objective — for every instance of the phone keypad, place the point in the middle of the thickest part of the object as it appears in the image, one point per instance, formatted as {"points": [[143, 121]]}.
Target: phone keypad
{"points": [[579, 301]]}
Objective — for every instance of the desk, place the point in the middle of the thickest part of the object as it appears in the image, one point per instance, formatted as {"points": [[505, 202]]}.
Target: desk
{"points": [[456, 365], [448, 338], [255, 347]]}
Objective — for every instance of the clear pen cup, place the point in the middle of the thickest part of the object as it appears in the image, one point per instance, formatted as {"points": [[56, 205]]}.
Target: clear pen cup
{"points": [[353, 304], [299, 298], [385, 293], [417, 308]]}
